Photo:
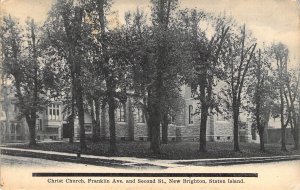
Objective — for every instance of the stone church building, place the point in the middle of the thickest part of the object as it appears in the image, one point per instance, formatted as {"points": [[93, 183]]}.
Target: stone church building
{"points": [[130, 123]]}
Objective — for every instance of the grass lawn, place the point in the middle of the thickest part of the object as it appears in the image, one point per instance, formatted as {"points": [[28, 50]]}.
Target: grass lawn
{"points": [[172, 150]]}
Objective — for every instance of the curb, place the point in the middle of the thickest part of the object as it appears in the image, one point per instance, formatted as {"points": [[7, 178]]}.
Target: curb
{"points": [[232, 161], [133, 162]]}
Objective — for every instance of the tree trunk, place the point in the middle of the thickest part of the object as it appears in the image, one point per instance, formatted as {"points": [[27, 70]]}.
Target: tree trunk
{"points": [[71, 126], [155, 115], [96, 138], [33, 111], [294, 116], [112, 127], [165, 123], [31, 126], [103, 119], [149, 130], [283, 145], [296, 137], [160, 68], [91, 102], [79, 104], [32, 136], [261, 138], [71, 118], [146, 113], [283, 126], [203, 122], [32, 141], [236, 128], [154, 119], [204, 107], [130, 121], [294, 126], [81, 124], [95, 111]]}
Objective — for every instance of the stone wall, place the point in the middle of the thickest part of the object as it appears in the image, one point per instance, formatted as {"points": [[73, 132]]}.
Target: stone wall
{"points": [[122, 131], [140, 132], [223, 131], [187, 133], [274, 136], [171, 132]]}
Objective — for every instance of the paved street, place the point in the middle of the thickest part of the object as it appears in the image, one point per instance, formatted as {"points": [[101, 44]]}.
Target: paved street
{"points": [[16, 161], [16, 171]]}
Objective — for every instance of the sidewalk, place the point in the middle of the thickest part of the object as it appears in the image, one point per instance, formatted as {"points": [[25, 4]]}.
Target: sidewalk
{"points": [[90, 159], [134, 162]]}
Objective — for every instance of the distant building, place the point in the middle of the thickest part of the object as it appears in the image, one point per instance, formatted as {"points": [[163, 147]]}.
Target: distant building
{"points": [[11, 128]]}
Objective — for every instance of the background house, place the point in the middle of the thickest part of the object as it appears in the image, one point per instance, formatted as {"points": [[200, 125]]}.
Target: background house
{"points": [[12, 129]]}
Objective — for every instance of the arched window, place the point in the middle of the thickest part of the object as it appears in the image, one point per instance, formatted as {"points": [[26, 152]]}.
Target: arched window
{"points": [[140, 115], [121, 113]]}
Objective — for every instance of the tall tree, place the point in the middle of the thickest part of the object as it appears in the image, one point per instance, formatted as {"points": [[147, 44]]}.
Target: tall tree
{"points": [[239, 53], [139, 35], [57, 75], [161, 18], [94, 86], [65, 29], [205, 55], [292, 86], [22, 65], [261, 92], [143, 70], [111, 59], [280, 53]]}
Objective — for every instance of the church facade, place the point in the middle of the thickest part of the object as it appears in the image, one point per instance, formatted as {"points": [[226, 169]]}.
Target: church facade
{"points": [[130, 123]]}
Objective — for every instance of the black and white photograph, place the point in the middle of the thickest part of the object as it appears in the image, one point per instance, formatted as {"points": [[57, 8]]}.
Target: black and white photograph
{"points": [[148, 94]]}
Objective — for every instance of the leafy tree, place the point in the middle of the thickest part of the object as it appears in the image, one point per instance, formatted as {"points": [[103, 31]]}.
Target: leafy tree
{"points": [[141, 46], [65, 28], [205, 55], [94, 86], [162, 64], [57, 74], [238, 54], [261, 92], [111, 60], [280, 53], [21, 64], [292, 86], [151, 70]]}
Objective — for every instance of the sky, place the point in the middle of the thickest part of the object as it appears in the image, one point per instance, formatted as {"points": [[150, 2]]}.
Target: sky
{"points": [[269, 20]]}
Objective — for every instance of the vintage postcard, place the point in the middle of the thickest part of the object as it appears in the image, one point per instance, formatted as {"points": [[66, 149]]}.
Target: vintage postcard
{"points": [[148, 94]]}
